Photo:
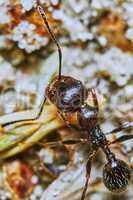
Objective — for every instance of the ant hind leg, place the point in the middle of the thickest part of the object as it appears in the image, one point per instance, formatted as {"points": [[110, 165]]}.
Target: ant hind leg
{"points": [[125, 126], [122, 139], [88, 171]]}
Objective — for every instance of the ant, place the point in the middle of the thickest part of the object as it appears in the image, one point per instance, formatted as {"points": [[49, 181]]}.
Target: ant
{"points": [[69, 95]]}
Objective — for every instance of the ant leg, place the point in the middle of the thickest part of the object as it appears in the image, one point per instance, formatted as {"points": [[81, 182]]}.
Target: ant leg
{"points": [[74, 141], [33, 115], [88, 171], [125, 126], [122, 139], [64, 142], [40, 109]]}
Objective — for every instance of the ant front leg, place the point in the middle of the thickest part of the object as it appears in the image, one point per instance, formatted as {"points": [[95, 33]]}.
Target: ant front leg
{"points": [[88, 171], [25, 116]]}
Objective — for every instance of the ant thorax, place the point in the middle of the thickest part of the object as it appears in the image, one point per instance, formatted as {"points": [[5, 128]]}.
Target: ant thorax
{"points": [[77, 103]]}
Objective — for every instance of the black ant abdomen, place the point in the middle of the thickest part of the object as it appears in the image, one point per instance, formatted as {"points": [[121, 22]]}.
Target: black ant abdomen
{"points": [[67, 93], [116, 176]]}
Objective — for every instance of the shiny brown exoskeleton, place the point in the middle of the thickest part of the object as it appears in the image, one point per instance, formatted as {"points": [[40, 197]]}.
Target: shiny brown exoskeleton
{"points": [[70, 95]]}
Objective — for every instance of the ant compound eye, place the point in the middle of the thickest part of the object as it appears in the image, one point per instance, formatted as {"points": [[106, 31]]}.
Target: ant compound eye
{"points": [[116, 176]]}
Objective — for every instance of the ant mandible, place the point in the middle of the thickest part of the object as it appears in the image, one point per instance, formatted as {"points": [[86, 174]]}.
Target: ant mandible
{"points": [[70, 96]]}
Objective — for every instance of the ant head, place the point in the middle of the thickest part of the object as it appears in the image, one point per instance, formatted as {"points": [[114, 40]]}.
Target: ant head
{"points": [[116, 176], [87, 117], [67, 93]]}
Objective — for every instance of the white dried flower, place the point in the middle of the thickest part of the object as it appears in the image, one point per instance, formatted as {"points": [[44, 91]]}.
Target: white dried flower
{"points": [[2, 2], [129, 91], [117, 63], [102, 40], [27, 38], [54, 2], [46, 155], [100, 4], [78, 6], [6, 68], [35, 179], [28, 4], [127, 11], [75, 28], [38, 191], [29, 83], [129, 33], [96, 196], [4, 17], [43, 1]]}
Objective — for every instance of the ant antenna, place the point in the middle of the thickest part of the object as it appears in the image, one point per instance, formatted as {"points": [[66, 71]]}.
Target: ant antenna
{"points": [[44, 17]]}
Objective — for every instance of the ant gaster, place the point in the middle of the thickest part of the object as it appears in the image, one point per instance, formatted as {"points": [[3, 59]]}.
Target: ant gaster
{"points": [[69, 95]]}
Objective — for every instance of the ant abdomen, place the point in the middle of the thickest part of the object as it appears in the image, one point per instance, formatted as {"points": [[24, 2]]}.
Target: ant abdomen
{"points": [[116, 176]]}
